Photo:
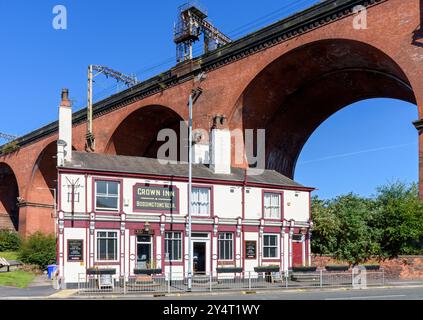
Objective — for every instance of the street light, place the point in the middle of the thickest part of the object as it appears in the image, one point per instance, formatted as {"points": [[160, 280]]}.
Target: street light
{"points": [[195, 94]]}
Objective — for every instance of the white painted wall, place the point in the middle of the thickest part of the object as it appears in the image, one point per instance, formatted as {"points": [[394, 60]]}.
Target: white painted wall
{"points": [[297, 205], [227, 204], [253, 203], [66, 182], [72, 269], [250, 264]]}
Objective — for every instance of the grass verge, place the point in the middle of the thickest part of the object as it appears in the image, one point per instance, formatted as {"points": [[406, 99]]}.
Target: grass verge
{"points": [[19, 279]]}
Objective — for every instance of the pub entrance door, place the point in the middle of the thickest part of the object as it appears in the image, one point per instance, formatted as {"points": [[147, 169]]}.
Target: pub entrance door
{"points": [[144, 252], [199, 257]]}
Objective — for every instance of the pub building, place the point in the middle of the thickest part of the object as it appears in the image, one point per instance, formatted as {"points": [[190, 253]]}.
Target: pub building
{"points": [[131, 213]]}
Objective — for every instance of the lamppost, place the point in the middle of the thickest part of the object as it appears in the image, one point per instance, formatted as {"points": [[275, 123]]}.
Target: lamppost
{"points": [[195, 94]]}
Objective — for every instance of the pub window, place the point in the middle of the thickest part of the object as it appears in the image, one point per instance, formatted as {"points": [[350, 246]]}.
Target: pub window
{"points": [[226, 246], [270, 246], [173, 246], [272, 205], [200, 201], [107, 245], [107, 195]]}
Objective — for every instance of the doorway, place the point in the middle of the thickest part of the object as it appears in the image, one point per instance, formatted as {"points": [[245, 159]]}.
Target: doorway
{"points": [[144, 252], [199, 257]]}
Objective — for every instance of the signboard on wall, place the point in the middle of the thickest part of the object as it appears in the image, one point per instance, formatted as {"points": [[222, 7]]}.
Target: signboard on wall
{"points": [[251, 249], [75, 250], [152, 198]]}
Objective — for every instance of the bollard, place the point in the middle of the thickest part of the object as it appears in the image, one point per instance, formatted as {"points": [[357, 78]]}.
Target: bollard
{"points": [[321, 278]]}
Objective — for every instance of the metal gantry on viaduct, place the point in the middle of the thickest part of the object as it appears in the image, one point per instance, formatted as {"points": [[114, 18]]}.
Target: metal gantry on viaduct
{"points": [[286, 78]]}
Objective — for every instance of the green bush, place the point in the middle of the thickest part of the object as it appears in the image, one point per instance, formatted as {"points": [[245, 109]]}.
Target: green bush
{"points": [[38, 249], [356, 229], [9, 241]]}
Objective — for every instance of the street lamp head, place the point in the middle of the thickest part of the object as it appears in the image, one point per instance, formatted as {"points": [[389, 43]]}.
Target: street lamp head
{"points": [[62, 143], [200, 77]]}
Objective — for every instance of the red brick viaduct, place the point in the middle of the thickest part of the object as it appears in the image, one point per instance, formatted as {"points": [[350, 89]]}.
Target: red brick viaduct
{"points": [[287, 78]]}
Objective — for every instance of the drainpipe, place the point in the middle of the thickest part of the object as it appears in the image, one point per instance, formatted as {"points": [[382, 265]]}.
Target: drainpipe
{"points": [[243, 219]]}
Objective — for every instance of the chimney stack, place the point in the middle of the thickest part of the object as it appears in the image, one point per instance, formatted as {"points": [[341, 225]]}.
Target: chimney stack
{"points": [[64, 144], [220, 146], [200, 149]]}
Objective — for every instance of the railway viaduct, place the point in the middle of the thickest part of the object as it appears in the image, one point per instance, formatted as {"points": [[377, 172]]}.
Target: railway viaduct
{"points": [[286, 78]]}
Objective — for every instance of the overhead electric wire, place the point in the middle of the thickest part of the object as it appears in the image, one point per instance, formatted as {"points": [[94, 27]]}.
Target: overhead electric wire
{"points": [[241, 30], [267, 18]]}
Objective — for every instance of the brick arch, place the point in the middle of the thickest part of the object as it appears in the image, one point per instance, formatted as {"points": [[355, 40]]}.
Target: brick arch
{"points": [[9, 193], [136, 135], [40, 192], [299, 90]]}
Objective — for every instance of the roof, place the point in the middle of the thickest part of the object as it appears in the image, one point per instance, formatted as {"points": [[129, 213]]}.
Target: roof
{"points": [[149, 166]]}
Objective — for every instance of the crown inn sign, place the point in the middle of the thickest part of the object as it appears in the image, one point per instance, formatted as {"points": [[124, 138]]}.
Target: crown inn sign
{"points": [[155, 198]]}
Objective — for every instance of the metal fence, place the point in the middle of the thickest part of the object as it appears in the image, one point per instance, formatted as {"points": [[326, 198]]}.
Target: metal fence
{"points": [[213, 282]]}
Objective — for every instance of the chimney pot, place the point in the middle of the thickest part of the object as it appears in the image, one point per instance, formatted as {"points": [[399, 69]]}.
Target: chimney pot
{"points": [[65, 98]]}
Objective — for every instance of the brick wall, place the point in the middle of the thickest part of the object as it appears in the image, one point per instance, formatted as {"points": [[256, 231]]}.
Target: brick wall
{"points": [[403, 267]]}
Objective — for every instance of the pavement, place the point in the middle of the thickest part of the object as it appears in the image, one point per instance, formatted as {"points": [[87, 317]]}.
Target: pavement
{"points": [[41, 289]]}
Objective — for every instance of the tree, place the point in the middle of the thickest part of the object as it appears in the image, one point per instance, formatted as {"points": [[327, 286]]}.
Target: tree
{"points": [[326, 227], [38, 249], [9, 241], [356, 241], [399, 220]]}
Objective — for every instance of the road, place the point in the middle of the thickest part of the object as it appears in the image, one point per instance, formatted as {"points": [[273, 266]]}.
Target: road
{"points": [[390, 293]]}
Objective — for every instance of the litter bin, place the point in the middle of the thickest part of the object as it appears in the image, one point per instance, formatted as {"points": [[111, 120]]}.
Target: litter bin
{"points": [[51, 269]]}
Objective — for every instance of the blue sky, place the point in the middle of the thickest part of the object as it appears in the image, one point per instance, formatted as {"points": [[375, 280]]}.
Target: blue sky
{"points": [[135, 37]]}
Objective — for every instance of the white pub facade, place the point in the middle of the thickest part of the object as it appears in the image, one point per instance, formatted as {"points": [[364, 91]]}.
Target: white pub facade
{"points": [[131, 213]]}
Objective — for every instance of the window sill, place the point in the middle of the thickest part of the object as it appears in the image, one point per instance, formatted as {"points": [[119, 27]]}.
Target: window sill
{"points": [[106, 263], [276, 259]]}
